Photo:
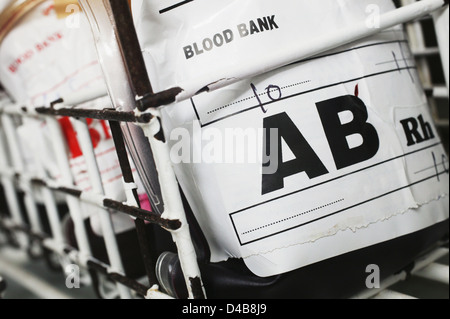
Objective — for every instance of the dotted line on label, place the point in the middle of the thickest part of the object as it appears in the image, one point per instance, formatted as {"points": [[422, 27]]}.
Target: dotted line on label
{"points": [[252, 97], [292, 217]]}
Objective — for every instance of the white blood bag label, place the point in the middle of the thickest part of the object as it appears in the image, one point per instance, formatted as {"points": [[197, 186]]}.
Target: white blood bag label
{"points": [[348, 155], [43, 59]]}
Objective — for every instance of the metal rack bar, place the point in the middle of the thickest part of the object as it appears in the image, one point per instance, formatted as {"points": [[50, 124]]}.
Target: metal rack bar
{"points": [[403, 275]]}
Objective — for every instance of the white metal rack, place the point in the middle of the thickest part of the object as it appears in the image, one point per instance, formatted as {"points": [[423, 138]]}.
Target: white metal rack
{"points": [[30, 236]]}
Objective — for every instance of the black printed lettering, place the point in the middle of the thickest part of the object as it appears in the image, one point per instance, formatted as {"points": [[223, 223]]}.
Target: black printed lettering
{"points": [[188, 52], [417, 130], [253, 27], [272, 23]]}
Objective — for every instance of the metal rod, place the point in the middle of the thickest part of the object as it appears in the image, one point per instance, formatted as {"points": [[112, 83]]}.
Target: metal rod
{"points": [[441, 23], [131, 50], [91, 262], [116, 277], [173, 207], [50, 205], [106, 114], [437, 92], [8, 184], [435, 272], [135, 71], [51, 208], [147, 248], [104, 202], [66, 176]]}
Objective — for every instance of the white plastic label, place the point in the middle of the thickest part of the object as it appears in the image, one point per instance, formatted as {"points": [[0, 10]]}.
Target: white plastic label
{"points": [[310, 161]]}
